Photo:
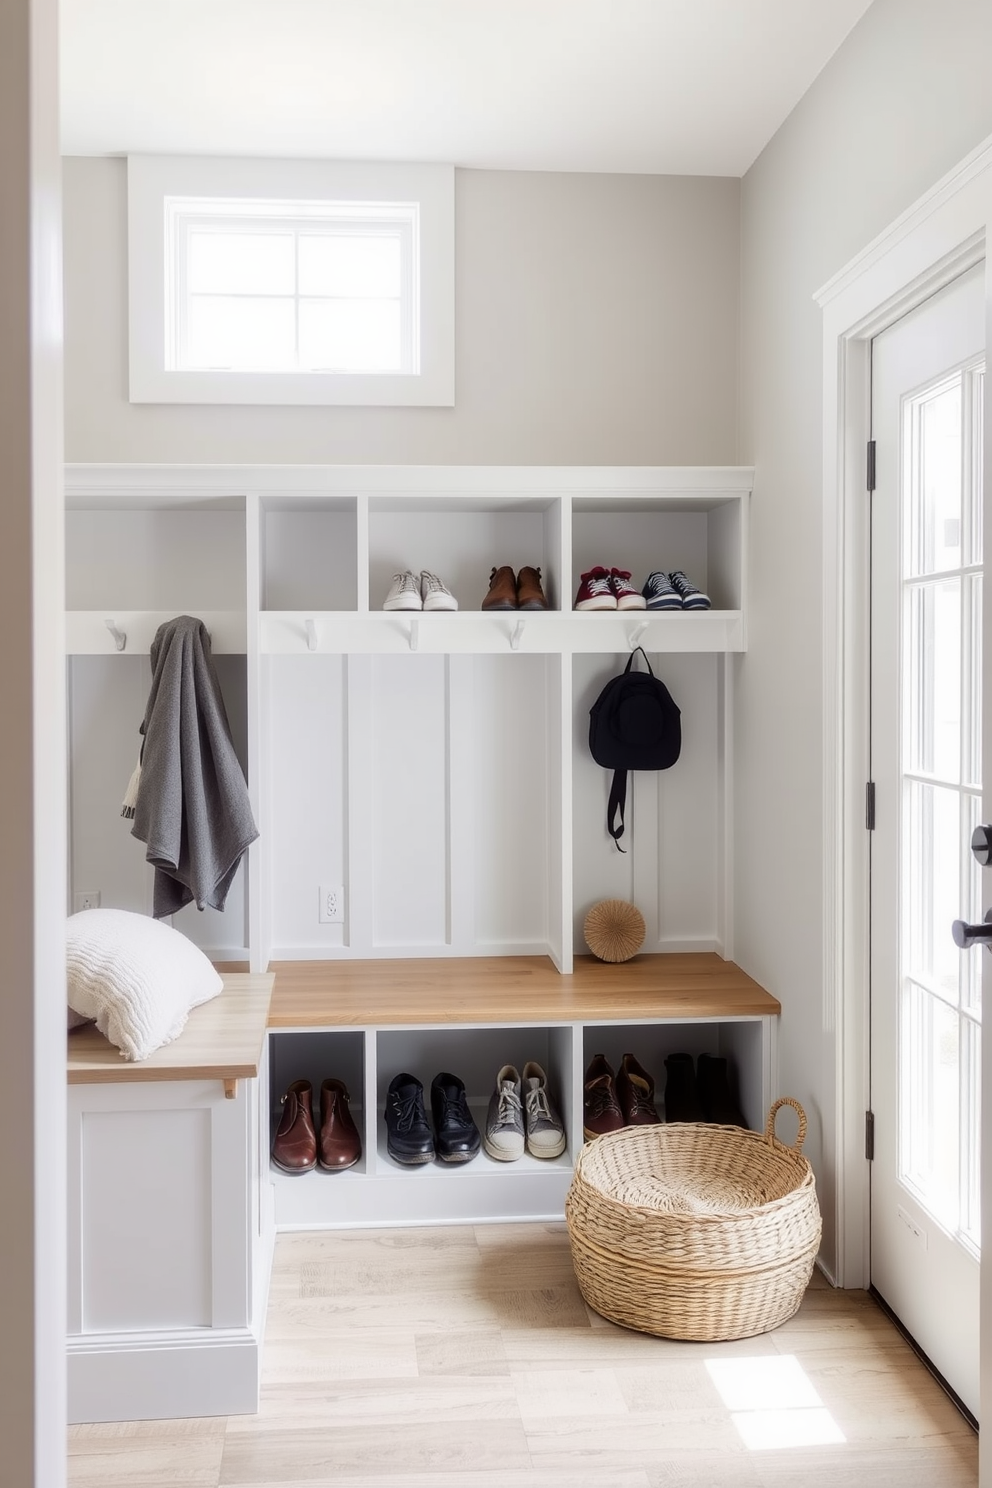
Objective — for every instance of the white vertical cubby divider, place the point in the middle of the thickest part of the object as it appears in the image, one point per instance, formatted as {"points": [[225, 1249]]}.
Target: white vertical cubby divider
{"points": [[468, 727]]}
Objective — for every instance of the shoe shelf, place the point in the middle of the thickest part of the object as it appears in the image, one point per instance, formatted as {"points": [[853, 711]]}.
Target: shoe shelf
{"points": [[365, 1021]]}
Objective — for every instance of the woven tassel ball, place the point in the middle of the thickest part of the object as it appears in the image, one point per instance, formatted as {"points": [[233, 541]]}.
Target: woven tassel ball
{"points": [[614, 930]]}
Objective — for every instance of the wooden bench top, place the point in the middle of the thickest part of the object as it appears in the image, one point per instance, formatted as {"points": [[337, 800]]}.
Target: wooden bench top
{"points": [[223, 1040], [511, 989]]}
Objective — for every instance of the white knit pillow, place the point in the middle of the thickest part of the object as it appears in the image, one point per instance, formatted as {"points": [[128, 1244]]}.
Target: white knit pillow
{"points": [[137, 977]]}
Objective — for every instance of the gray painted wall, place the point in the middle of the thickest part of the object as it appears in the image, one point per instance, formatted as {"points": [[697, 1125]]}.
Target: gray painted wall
{"points": [[905, 98], [596, 323]]}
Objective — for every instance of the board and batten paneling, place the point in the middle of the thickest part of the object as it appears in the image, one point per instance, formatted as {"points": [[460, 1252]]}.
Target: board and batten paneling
{"points": [[420, 784], [672, 848]]}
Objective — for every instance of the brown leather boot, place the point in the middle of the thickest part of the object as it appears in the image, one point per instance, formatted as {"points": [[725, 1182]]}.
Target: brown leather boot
{"points": [[502, 590], [295, 1147], [601, 1111], [635, 1092], [530, 595], [340, 1144]]}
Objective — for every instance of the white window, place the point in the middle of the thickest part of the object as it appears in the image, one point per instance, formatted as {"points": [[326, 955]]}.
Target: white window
{"points": [[290, 282]]}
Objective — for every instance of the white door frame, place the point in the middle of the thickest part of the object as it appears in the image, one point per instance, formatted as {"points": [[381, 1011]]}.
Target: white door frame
{"points": [[940, 236]]}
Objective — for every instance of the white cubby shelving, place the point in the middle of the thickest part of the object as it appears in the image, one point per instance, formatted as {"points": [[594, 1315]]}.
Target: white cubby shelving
{"points": [[434, 766]]}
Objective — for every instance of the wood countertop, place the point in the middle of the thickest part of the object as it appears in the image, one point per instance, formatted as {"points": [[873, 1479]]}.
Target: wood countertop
{"points": [[223, 1040], [511, 989]]}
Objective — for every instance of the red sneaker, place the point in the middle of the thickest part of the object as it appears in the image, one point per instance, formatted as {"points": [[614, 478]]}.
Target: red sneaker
{"points": [[596, 591], [627, 597]]}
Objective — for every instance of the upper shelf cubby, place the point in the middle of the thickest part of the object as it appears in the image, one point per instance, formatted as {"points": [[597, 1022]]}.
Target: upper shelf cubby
{"points": [[461, 539], [309, 558], [139, 556]]}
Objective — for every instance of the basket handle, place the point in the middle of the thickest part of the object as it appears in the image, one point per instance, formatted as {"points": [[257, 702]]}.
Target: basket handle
{"points": [[786, 1100]]}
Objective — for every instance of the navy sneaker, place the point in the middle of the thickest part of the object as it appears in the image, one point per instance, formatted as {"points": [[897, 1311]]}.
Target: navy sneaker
{"points": [[659, 594], [692, 598]]}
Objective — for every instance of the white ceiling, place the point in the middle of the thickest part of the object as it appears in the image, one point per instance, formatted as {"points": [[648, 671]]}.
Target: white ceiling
{"points": [[690, 87]]}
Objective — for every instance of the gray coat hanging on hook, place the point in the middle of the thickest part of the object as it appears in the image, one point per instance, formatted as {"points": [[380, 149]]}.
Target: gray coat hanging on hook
{"points": [[634, 724]]}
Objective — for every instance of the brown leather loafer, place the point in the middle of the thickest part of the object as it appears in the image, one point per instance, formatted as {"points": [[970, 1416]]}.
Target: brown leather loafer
{"points": [[340, 1144], [295, 1147], [635, 1092], [601, 1111], [530, 594], [502, 590]]}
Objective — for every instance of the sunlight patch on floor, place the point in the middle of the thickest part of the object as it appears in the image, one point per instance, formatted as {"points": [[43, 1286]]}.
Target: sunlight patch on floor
{"points": [[772, 1403]]}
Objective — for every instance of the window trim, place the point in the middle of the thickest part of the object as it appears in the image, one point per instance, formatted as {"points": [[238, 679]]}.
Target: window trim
{"points": [[152, 179]]}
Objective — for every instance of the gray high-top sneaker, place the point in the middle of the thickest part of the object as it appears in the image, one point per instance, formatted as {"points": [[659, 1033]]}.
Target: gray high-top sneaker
{"points": [[504, 1134], [545, 1128]]}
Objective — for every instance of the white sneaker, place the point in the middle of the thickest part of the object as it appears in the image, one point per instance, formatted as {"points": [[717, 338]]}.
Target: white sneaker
{"points": [[545, 1129], [404, 593], [435, 594]]}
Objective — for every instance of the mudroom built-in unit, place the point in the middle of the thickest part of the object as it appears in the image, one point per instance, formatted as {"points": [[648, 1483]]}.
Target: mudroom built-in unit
{"points": [[432, 824]]}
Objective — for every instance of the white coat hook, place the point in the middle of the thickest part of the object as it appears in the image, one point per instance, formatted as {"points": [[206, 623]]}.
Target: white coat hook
{"points": [[414, 634], [120, 636], [636, 633], [311, 634], [517, 635]]}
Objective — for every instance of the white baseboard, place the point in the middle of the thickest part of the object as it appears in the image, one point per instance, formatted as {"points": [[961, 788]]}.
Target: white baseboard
{"points": [[156, 1376]]}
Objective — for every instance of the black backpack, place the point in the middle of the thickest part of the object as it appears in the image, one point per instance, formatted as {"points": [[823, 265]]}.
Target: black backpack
{"points": [[633, 725]]}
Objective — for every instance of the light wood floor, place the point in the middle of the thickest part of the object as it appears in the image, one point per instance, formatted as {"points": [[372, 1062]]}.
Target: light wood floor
{"points": [[465, 1358]]}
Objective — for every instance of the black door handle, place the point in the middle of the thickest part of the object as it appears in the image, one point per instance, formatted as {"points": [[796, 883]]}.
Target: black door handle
{"points": [[981, 845], [965, 935]]}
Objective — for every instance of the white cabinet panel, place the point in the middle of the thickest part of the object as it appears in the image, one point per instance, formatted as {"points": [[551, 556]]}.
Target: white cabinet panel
{"points": [[145, 1219]]}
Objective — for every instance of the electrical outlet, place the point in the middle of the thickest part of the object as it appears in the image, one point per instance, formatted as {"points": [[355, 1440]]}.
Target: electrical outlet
{"points": [[87, 899], [331, 906]]}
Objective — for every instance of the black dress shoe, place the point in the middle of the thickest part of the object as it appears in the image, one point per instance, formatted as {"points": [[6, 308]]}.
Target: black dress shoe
{"points": [[408, 1136], [456, 1136]]}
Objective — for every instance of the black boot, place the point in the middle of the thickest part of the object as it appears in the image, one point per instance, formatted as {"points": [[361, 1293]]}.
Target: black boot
{"points": [[681, 1098], [715, 1095]]}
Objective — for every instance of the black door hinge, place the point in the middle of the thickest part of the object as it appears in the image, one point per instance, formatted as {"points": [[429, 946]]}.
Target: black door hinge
{"points": [[870, 806], [870, 1135], [870, 473]]}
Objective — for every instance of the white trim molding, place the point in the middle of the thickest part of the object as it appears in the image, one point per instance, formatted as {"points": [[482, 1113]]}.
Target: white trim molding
{"points": [[939, 237]]}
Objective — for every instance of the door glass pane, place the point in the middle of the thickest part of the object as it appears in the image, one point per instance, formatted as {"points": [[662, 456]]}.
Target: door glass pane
{"points": [[930, 1100], [934, 693], [932, 874], [935, 467]]}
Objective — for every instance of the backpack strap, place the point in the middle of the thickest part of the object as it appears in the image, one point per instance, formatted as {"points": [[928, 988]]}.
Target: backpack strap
{"points": [[630, 661], [618, 800]]}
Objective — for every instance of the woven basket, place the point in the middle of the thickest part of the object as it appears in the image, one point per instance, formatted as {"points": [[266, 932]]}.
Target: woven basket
{"points": [[694, 1231]]}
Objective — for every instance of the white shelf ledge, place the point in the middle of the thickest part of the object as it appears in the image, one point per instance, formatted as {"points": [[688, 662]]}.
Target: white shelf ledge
{"points": [[87, 632], [287, 632]]}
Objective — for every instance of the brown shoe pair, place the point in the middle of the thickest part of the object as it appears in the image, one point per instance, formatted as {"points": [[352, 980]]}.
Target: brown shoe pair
{"points": [[296, 1148], [609, 1104], [509, 591]]}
